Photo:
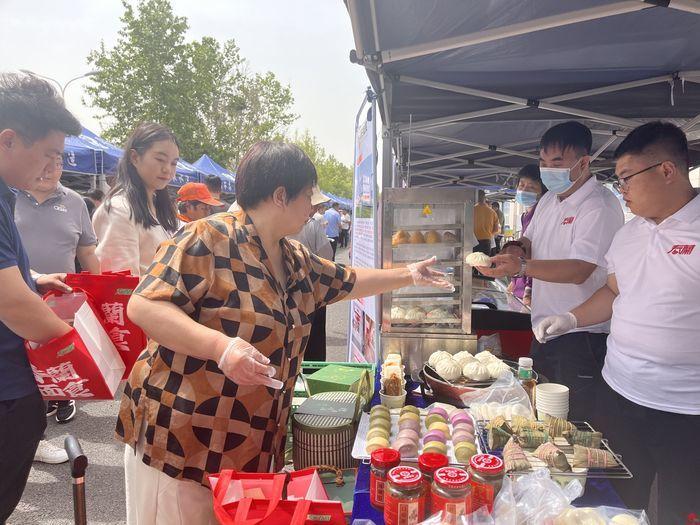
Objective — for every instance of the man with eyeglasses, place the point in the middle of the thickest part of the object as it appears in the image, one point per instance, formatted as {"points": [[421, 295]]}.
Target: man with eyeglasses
{"points": [[650, 400], [567, 240]]}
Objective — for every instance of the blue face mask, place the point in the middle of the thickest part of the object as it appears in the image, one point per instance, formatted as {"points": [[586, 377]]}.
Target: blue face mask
{"points": [[526, 198], [558, 180]]}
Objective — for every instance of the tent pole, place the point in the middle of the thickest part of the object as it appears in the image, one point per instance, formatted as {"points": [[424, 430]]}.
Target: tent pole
{"points": [[442, 121], [530, 26], [609, 119], [690, 124], [483, 147]]}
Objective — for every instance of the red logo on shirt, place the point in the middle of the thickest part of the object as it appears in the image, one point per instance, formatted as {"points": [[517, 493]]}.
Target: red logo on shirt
{"points": [[567, 220], [681, 249]]}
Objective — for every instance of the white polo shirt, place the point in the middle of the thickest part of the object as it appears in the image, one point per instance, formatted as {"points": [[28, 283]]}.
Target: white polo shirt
{"points": [[580, 227], [653, 354]]}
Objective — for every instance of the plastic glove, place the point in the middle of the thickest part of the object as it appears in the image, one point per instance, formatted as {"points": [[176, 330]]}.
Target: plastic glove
{"points": [[555, 325], [244, 365], [423, 275]]}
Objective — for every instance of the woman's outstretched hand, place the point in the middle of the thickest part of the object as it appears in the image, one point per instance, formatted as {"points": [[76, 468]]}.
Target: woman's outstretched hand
{"points": [[424, 275]]}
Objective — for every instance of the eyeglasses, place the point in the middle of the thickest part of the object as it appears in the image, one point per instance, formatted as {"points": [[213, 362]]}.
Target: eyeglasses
{"points": [[621, 185]]}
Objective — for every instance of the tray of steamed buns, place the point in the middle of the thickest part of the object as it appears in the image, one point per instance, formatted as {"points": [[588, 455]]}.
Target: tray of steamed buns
{"points": [[413, 431]]}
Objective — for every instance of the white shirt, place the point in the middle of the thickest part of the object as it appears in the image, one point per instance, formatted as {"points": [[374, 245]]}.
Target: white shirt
{"points": [[582, 227], [345, 221], [313, 236], [123, 244], [653, 354]]}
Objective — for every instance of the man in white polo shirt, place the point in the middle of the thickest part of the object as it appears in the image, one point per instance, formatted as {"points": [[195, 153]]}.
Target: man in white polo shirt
{"points": [[650, 401], [571, 231]]}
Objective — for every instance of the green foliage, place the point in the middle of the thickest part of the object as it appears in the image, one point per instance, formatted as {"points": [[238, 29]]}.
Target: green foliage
{"points": [[203, 90], [333, 175]]}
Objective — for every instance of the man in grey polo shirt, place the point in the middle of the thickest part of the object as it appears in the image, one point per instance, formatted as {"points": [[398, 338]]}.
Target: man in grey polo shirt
{"points": [[55, 228]]}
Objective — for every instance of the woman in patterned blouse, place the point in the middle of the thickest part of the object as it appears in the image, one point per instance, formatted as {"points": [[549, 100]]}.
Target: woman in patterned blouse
{"points": [[227, 306]]}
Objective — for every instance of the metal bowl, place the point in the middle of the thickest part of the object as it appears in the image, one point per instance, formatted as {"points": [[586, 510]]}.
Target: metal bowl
{"points": [[452, 392]]}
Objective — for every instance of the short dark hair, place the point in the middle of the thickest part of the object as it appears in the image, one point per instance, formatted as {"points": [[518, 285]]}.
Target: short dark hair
{"points": [[496, 204], [668, 138], [336, 205], [213, 183], [481, 195], [32, 107], [130, 184], [569, 134], [532, 172], [270, 165]]}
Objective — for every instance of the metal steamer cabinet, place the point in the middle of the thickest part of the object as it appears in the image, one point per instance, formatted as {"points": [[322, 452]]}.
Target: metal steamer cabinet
{"points": [[419, 223]]}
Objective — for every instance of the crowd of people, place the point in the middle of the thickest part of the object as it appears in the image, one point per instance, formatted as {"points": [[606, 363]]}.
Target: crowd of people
{"points": [[227, 300], [615, 308], [231, 301]]}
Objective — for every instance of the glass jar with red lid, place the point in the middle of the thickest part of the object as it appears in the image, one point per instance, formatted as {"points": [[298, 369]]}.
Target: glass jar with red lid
{"points": [[381, 462], [486, 477], [428, 463], [404, 497], [451, 494]]}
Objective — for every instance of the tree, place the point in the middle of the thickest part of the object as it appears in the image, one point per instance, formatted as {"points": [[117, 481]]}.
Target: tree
{"points": [[333, 175], [202, 90]]}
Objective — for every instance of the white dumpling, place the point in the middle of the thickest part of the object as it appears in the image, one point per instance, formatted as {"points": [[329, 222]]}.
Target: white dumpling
{"points": [[438, 313], [580, 516], [448, 369], [437, 356], [475, 371], [397, 312], [497, 368], [415, 314], [485, 356], [624, 519], [463, 357], [478, 259]]}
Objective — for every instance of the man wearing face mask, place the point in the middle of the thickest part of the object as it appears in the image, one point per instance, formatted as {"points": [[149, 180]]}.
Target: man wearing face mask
{"points": [[570, 233]]}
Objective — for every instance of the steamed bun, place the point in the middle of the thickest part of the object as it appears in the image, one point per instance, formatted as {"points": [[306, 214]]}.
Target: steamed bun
{"points": [[448, 369]]}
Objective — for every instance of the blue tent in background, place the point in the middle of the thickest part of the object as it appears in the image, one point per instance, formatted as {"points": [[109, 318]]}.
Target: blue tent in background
{"points": [[208, 166], [344, 203], [90, 154]]}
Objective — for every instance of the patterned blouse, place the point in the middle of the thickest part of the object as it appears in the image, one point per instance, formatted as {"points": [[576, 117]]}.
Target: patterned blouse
{"points": [[197, 420]]}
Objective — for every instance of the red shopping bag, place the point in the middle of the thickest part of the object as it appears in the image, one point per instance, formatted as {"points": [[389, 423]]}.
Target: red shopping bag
{"points": [[271, 509], [110, 292], [82, 364]]}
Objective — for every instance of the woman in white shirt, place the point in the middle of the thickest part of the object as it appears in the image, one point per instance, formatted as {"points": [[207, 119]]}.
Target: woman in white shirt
{"points": [[138, 214]]}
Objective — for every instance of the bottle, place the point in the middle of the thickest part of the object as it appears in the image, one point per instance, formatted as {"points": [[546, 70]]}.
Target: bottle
{"points": [[526, 379]]}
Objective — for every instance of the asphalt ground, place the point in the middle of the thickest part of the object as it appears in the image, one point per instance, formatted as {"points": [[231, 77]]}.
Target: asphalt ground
{"points": [[48, 499]]}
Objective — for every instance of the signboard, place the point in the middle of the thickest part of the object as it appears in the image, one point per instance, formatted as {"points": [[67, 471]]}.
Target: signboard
{"points": [[363, 342]]}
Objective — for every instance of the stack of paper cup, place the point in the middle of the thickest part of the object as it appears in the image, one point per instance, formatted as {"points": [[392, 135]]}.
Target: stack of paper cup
{"points": [[552, 399]]}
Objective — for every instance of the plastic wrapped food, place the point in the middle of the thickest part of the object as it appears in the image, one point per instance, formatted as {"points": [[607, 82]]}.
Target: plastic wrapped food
{"points": [[532, 438], [476, 371], [553, 457], [520, 422], [582, 516], [448, 369], [557, 425], [514, 457], [583, 438], [585, 457]]}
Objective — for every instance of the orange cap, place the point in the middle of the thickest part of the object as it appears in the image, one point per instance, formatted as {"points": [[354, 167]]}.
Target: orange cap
{"points": [[196, 191]]}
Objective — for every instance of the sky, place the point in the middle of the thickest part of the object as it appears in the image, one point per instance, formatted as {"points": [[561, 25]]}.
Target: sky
{"points": [[304, 42]]}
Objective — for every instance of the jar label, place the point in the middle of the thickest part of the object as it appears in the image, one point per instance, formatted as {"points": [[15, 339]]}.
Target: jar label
{"points": [[378, 492], [451, 508], [403, 511], [482, 496]]}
